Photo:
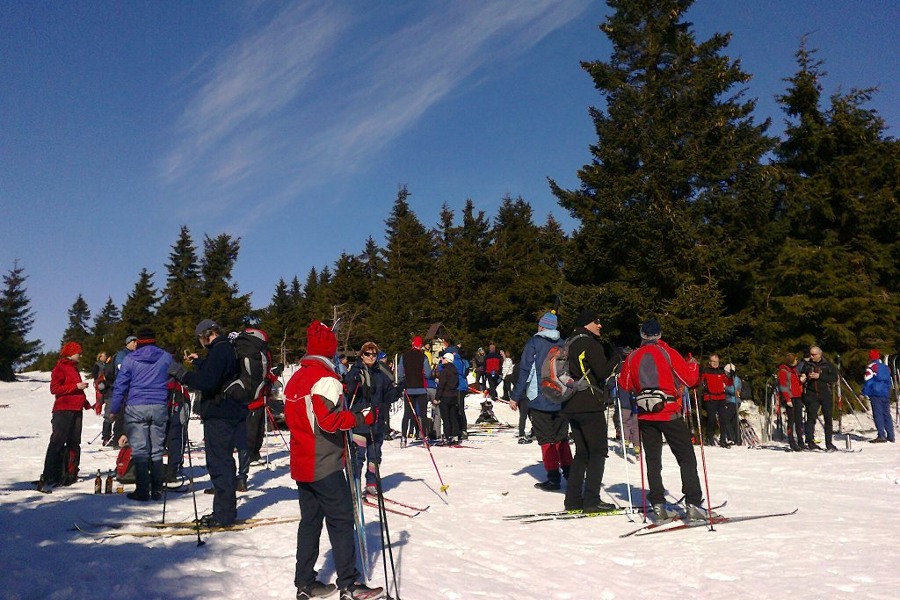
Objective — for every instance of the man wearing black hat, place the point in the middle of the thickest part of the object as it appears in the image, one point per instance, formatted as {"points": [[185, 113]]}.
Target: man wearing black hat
{"points": [[224, 418], [657, 375], [586, 412], [140, 392]]}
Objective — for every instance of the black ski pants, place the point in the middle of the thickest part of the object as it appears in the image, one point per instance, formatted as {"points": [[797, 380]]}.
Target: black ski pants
{"points": [[812, 402], [589, 430], [449, 408], [678, 437], [715, 412], [64, 450], [222, 436], [328, 500]]}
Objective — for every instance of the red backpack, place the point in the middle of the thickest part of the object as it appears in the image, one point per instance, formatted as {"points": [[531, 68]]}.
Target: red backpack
{"points": [[125, 466]]}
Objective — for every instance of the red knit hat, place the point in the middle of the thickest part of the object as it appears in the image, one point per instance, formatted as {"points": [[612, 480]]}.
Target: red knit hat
{"points": [[320, 340], [70, 349], [417, 341], [874, 355]]}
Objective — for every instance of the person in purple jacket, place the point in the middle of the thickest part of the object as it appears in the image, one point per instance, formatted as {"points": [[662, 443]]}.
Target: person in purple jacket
{"points": [[142, 380]]}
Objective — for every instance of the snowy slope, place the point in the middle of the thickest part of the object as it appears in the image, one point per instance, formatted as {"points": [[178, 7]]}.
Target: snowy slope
{"points": [[842, 542]]}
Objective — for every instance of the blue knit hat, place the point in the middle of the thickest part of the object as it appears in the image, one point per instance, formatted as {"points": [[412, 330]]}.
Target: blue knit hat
{"points": [[651, 330], [549, 321]]}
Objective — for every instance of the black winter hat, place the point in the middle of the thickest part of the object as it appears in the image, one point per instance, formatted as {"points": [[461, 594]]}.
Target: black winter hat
{"points": [[146, 335], [586, 317]]}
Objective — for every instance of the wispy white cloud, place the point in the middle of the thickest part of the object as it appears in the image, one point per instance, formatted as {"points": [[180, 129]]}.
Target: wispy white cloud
{"points": [[317, 90]]}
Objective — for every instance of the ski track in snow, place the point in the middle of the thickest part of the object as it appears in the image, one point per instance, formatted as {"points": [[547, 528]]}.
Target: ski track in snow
{"points": [[841, 542]]}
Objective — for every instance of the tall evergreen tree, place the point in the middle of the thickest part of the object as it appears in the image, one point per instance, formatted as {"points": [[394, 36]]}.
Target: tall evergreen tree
{"points": [[837, 282], [676, 141], [182, 299], [78, 329], [139, 309], [102, 336], [525, 276], [350, 292], [222, 301], [16, 321], [402, 304]]}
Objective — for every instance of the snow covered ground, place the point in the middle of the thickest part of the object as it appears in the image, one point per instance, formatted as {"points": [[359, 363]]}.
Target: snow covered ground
{"points": [[843, 542]]}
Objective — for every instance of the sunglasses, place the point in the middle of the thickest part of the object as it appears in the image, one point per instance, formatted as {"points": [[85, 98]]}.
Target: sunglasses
{"points": [[370, 354]]}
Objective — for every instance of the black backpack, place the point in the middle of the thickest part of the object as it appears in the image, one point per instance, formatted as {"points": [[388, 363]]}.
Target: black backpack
{"points": [[252, 349]]}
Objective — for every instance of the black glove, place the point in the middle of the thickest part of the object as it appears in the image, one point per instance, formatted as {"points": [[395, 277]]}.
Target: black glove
{"points": [[177, 371]]}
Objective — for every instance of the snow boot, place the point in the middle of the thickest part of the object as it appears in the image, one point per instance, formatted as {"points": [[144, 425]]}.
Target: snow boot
{"points": [[157, 477], [360, 591], [660, 513], [316, 589], [552, 484], [698, 513], [142, 480]]}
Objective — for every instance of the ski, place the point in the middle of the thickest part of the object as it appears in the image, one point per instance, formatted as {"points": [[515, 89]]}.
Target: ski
{"points": [[577, 514], [171, 524], [396, 511], [658, 524], [391, 501], [718, 521], [179, 531]]}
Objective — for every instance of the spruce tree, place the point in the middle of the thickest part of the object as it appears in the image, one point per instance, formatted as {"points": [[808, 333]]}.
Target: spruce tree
{"points": [[102, 337], [836, 282], [222, 301], [402, 299], [182, 298], [139, 309], [663, 192], [16, 321]]}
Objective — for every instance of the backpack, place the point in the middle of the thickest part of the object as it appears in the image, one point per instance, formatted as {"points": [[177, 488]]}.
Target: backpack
{"points": [[252, 349], [557, 384], [125, 466]]}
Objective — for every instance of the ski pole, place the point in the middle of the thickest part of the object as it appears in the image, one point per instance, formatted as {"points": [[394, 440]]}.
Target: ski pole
{"points": [[96, 436], [385, 535], [703, 459], [624, 452], [425, 441], [200, 542], [641, 462]]}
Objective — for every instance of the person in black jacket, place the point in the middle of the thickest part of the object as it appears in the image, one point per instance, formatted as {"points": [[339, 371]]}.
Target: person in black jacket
{"points": [[586, 413], [224, 419], [819, 376], [370, 384], [447, 397]]}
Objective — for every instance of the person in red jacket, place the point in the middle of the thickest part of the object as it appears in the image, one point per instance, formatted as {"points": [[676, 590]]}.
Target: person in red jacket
{"points": [[657, 375], [790, 392], [318, 425], [714, 380], [64, 450]]}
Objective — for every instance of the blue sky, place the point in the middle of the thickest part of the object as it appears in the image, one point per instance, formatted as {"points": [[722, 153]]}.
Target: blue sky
{"points": [[292, 124]]}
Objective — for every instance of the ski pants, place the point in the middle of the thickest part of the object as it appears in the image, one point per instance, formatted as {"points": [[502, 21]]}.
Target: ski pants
{"points": [[419, 404], [715, 412], [812, 402], [794, 416], [449, 408], [731, 422], [145, 426], [328, 500], [881, 411], [589, 430], [222, 436], [64, 450], [523, 415], [678, 437]]}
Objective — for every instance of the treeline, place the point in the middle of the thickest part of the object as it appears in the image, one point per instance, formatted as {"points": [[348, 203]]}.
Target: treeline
{"points": [[740, 243]]}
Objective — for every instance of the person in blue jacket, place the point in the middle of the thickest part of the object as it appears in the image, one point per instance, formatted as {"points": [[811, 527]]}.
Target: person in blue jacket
{"points": [[877, 387], [550, 427], [141, 390]]}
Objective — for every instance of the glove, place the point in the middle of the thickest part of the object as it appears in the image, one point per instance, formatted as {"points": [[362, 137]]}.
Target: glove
{"points": [[364, 417], [87, 405], [177, 371], [436, 401]]}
